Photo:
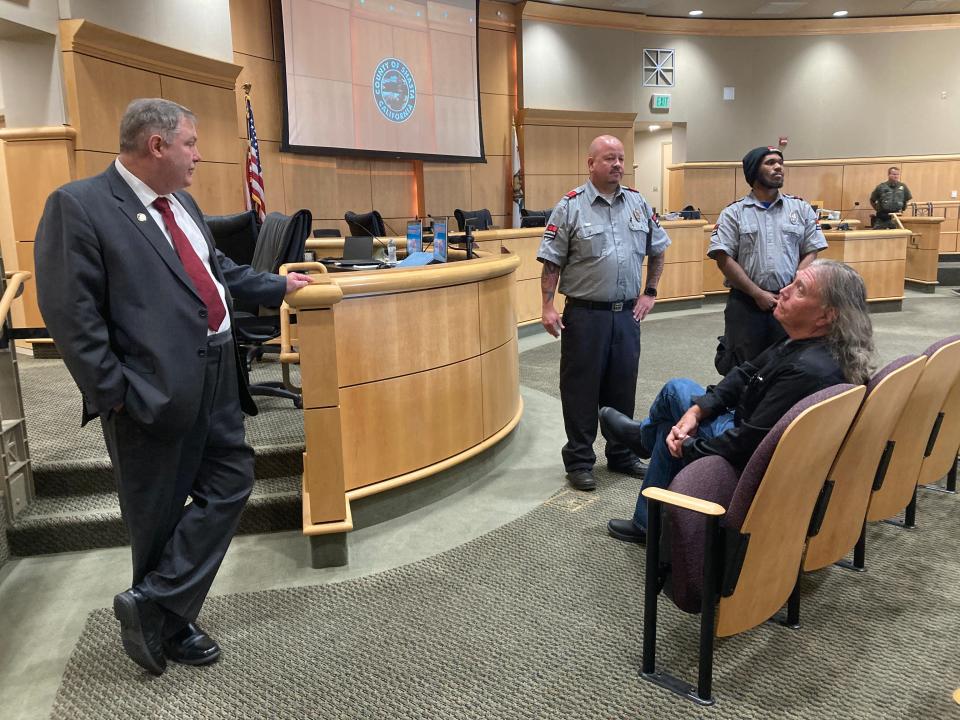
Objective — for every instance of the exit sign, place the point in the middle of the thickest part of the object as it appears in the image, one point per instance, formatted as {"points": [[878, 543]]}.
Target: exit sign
{"points": [[659, 102]]}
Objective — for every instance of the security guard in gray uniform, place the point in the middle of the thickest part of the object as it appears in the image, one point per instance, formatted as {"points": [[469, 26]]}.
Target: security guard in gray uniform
{"points": [[759, 243], [594, 245], [888, 197]]}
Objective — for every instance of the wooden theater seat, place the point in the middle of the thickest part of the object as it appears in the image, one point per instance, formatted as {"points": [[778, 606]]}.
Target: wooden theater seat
{"points": [[912, 433], [861, 464], [735, 557], [942, 458]]}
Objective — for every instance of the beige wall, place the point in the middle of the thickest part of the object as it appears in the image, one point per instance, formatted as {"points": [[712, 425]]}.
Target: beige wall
{"points": [[833, 95]]}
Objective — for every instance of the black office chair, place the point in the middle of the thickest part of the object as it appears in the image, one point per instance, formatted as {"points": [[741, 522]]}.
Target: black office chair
{"points": [[534, 218], [326, 232], [282, 240], [367, 224], [235, 235], [478, 219]]}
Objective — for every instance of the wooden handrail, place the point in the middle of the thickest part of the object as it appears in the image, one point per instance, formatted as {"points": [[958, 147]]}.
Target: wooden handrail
{"points": [[286, 348], [15, 281]]}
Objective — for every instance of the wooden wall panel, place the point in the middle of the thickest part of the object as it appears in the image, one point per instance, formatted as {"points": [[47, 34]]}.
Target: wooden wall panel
{"points": [[501, 386], [858, 182], [266, 96], [323, 466], [681, 280], [528, 300], [250, 25], [488, 185], [543, 192], [319, 376], [216, 112], [393, 188], [526, 249], [91, 163], [710, 189], [97, 94], [371, 331], [498, 318], [930, 180], [445, 185], [34, 169], [218, 188], [823, 182], [497, 62], [497, 114], [551, 150], [410, 421]]}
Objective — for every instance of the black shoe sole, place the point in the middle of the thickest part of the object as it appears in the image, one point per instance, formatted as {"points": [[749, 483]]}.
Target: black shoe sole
{"points": [[205, 660], [637, 539], [131, 634]]}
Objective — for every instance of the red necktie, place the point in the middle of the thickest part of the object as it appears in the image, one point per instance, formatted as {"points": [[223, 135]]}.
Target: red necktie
{"points": [[194, 266]]}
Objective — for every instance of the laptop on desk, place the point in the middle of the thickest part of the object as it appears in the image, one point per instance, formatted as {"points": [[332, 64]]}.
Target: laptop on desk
{"points": [[358, 251]]}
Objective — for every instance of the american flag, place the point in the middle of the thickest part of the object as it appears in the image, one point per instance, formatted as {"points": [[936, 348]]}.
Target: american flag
{"points": [[254, 170]]}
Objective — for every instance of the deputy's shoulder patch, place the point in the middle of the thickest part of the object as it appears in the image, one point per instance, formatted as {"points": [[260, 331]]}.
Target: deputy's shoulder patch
{"points": [[550, 232], [573, 193]]}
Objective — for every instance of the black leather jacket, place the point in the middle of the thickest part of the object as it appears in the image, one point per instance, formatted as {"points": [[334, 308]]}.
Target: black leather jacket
{"points": [[760, 392]]}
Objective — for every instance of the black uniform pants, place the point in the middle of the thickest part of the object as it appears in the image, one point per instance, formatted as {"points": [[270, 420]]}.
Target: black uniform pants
{"points": [[599, 359], [178, 547], [747, 332]]}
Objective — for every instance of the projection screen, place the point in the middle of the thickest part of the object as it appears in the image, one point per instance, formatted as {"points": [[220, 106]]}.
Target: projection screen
{"points": [[394, 78]]}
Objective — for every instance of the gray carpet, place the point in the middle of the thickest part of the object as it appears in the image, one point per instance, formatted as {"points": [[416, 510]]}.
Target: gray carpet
{"points": [[542, 619], [51, 400]]}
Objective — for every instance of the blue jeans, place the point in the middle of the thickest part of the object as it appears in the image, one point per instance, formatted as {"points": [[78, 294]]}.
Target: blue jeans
{"points": [[673, 400]]}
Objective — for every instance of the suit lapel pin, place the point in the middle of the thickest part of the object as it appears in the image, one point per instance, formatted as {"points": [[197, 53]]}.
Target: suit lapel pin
{"points": [[142, 217]]}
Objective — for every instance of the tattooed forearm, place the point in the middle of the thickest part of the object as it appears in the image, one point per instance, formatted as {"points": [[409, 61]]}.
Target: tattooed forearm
{"points": [[549, 277], [654, 270]]}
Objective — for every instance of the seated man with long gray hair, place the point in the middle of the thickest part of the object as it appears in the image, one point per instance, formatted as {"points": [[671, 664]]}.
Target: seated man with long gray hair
{"points": [[830, 341]]}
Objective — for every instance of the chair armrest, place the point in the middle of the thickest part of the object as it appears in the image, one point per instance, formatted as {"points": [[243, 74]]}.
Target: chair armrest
{"points": [[687, 502]]}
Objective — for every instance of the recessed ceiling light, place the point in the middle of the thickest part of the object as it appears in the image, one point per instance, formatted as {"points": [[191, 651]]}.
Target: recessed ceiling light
{"points": [[653, 128], [840, 13], [695, 13]]}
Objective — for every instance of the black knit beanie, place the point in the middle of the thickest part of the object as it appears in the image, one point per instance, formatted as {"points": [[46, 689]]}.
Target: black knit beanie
{"points": [[752, 160]]}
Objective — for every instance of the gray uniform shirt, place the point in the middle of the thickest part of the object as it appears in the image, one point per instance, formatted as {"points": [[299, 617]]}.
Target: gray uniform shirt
{"points": [[767, 242], [600, 246]]}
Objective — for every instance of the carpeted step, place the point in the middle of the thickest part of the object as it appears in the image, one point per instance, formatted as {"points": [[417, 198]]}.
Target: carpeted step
{"points": [[948, 273], [86, 476], [92, 520]]}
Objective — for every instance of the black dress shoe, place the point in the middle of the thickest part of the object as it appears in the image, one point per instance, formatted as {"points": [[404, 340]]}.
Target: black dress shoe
{"points": [[582, 479], [614, 425], [637, 469], [141, 629], [191, 646], [628, 532]]}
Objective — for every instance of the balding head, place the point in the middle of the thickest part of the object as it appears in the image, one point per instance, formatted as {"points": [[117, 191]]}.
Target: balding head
{"points": [[605, 163]]}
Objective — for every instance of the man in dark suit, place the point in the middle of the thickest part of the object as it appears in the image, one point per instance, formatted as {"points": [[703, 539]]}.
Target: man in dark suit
{"points": [[139, 303]]}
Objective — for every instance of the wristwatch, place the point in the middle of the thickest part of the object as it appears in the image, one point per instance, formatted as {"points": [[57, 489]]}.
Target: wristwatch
{"points": [[652, 292]]}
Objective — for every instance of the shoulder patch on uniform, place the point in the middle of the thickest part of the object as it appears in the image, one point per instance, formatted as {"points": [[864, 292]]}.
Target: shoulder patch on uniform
{"points": [[630, 189], [573, 193], [795, 197], [552, 228]]}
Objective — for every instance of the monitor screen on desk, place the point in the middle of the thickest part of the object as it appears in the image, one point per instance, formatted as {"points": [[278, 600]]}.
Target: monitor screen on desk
{"points": [[414, 237], [377, 78], [440, 240]]}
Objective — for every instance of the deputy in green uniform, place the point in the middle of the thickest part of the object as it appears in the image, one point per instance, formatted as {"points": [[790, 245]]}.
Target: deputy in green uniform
{"points": [[888, 197]]}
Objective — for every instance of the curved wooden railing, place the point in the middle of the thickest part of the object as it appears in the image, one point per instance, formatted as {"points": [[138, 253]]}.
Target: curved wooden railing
{"points": [[15, 283]]}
